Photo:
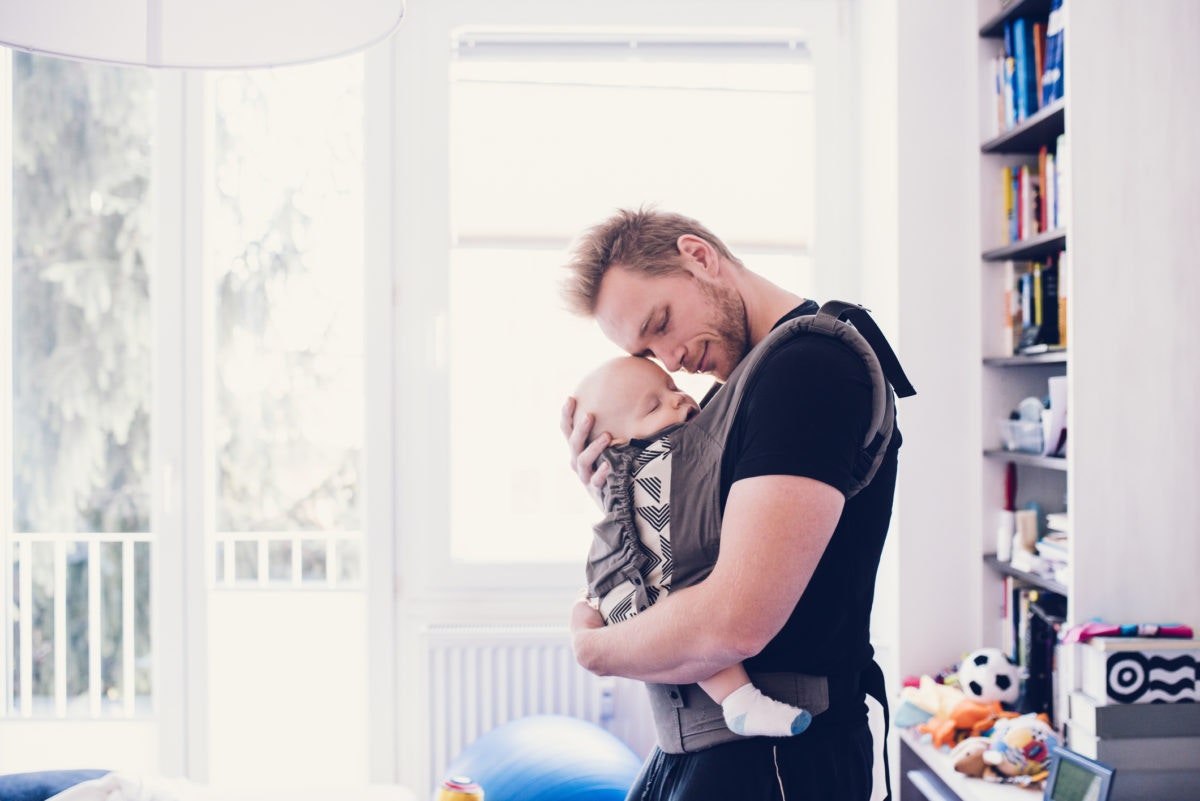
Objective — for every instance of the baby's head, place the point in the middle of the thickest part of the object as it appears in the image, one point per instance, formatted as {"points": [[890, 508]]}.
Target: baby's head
{"points": [[632, 398]]}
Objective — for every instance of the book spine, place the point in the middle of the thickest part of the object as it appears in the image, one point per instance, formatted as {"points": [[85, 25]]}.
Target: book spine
{"points": [[1050, 187], [1006, 186], [1062, 163], [1012, 310], [1021, 57], [1063, 262], [1050, 310], [1044, 190], [1052, 77], [1039, 61], [1035, 270]]}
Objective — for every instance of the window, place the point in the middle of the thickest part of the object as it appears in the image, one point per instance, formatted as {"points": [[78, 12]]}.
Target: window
{"points": [[285, 229], [549, 132], [78, 535], [182, 392]]}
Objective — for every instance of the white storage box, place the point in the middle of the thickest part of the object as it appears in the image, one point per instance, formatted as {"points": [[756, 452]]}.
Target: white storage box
{"points": [[1140, 670]]}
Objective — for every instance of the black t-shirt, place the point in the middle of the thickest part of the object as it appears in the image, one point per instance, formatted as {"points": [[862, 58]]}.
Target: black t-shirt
{"points": [[805, 413]]}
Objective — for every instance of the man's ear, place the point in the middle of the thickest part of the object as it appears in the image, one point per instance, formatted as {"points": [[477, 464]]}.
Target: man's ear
{"points": [[698, 252]]}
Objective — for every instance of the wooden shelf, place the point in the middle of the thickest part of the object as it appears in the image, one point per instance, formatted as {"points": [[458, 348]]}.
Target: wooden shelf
{"points": [[1004, 568], [1028, 459], [1040, 129], [929, 772], [994, 27], [1029, 249], [1052, 356]]}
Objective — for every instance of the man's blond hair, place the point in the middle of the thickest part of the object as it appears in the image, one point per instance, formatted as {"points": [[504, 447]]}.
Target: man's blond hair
{"points": [[643, 240]]}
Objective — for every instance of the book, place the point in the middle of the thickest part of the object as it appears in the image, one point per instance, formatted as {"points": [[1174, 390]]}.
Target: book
{"points": [[1063, 260], [1046, 612], [1052, 71], [1050, 192], [1062, 163], [1043, 207], [1008, 204], [1038, 38], [1023, 59], [1048, 322], [1035, 270], [1116, 721], [1136, 753], [1012, 310]]}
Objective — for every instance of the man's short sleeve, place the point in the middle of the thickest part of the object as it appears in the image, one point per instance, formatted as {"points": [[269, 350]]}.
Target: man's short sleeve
{"points": [[804, 414]]}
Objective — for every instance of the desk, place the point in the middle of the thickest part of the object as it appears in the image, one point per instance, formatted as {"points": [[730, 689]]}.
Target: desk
{"points": [[927, 775]]}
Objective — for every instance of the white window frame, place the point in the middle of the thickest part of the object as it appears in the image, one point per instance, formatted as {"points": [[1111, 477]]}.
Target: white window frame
{"points": [[173, 740], [423, 236]]}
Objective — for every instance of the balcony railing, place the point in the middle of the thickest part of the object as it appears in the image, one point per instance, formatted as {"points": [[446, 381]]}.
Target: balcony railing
{"points": [[77, 637]]}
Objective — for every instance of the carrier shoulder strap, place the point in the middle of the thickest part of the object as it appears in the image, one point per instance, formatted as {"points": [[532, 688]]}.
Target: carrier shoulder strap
{"points": [[851, 325]]}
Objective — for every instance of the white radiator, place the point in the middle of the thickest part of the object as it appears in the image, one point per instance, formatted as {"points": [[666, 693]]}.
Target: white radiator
{"points": [[482, 676]]}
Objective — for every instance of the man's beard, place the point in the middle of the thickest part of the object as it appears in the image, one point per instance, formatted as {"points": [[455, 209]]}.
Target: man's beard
{"points": [[730, 324]]}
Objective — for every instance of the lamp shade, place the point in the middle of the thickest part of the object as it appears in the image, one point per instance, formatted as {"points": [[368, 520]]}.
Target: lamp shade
{"points": [[202, 34]]}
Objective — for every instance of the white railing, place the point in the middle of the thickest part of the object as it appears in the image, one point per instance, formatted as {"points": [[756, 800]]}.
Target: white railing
{"points": [[305, 560], [38, 627], [26, 555]]}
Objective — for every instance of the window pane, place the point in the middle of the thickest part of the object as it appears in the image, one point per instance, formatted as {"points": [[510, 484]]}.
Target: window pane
{"points": [[81, 378], [508, 380], [287, 244], [540, 148]]}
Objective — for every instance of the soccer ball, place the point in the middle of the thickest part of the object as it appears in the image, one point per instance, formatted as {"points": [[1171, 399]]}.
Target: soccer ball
{"points": [[986, 674]]}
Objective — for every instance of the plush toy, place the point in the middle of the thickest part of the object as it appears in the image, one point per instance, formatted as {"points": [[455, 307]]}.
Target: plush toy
{"points": [[986, 674], [1021, 746], [928, 699], [967, 757], [968, 718]]}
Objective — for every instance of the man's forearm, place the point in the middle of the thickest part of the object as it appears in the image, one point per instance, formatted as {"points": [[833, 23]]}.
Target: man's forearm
{"points": [[774, 531], [660, 645]]}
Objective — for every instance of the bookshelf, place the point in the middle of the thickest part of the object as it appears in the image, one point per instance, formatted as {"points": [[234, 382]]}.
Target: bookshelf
{"points": [[1132, 78]]}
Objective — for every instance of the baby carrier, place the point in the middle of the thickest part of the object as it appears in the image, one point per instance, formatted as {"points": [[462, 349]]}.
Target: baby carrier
{"points": [[686, 719]]}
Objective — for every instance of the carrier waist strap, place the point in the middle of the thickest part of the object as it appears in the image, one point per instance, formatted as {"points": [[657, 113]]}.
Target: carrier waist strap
{"points": [[687, 720]]}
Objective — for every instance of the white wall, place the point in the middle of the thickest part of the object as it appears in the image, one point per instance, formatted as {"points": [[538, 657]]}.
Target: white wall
{"points": [[920, 258]]}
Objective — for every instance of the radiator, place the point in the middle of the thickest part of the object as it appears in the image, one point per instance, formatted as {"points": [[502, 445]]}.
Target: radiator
{"points": [[482, 676]]}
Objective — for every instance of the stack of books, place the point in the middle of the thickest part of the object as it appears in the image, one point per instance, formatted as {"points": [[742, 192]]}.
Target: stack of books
{"points": [[1138, 711], [1027, 75], [1052, 549]]}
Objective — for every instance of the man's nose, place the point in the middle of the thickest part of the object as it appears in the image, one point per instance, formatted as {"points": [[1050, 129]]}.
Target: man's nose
{"points": [[671, 357]]}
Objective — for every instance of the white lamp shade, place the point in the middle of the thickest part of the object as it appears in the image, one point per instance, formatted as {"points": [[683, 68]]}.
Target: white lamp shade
{"points": [[211, 34]]}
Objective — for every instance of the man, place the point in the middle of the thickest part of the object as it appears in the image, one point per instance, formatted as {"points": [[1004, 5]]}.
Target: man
{"points": [[791, 590]]}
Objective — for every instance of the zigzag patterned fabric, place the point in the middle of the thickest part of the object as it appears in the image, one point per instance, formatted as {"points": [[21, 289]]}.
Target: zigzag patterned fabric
{"points": [[652, 520]]}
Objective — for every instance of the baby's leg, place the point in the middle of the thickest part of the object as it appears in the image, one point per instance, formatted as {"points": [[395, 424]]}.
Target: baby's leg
{"points": [[748, 711]]}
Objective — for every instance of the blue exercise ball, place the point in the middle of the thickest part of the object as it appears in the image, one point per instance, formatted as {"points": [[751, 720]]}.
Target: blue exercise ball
{"points": [[549, 758]]}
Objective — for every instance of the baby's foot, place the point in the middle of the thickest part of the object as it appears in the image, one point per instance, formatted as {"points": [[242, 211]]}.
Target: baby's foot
{"points": [[749, 712]]}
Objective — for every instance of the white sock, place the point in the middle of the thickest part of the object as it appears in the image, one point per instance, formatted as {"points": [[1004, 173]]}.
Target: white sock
{"points": [[749, 712]]}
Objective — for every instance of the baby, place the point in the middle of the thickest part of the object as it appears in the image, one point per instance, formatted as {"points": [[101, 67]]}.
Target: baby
{"points": [[638, 404]]}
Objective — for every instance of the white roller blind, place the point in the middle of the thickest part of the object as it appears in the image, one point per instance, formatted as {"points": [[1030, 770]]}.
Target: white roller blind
{"points": [[725, 125]]}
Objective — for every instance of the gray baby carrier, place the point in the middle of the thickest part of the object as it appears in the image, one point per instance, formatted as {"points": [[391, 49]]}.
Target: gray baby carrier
{"points": [[686, 718]]}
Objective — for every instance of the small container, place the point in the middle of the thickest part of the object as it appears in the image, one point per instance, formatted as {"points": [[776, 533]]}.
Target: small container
{"points": [[1021, 435], [459, 788], [1006, 526]]}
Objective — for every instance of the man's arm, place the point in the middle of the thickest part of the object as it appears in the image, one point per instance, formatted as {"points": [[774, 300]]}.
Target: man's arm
{"points": [[773, 533]]}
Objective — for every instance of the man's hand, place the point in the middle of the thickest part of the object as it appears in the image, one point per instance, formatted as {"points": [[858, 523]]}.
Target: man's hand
{"points": [[584, 618], [583, 459]]}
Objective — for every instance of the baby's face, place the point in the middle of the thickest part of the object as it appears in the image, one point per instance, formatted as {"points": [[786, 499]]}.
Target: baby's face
{"points": [[638, 398]]}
